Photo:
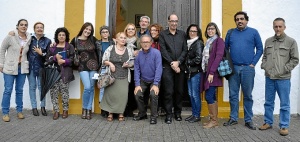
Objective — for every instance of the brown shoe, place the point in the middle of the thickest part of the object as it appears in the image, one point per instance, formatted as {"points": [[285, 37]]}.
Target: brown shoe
{"points": [[83, 115], [55, 115], [89, 114], [283, 131], [6, 118], [65, 114], [20, 115], [265, 127]]}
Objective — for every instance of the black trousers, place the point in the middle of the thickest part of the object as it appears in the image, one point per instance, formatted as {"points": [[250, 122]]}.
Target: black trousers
{"points": [[140, 99], [131, 104], [173, 90]]}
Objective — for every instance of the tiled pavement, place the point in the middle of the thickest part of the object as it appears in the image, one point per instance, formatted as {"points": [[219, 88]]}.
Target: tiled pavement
{"points": [[44, 129]]}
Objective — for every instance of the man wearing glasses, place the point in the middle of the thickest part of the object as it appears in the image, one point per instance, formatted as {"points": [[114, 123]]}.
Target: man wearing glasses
{"points": [[245, 48], [173, 49], [144, 23], [147, 75]]}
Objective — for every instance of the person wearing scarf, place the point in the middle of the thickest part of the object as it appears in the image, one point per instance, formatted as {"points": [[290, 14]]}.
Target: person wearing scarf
{"points": [[193, 70], [211, 57]]}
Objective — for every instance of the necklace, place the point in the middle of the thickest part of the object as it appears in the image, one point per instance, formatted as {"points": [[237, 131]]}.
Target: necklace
{"points": [[122, 49]]}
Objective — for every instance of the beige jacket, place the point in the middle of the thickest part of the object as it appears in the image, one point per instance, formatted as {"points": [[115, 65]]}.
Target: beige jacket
{"points": [[280, 57], [10, 53]]}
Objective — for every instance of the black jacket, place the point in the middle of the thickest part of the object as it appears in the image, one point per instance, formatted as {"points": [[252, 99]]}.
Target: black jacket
{"points": [[194, 58], [99, 49]]}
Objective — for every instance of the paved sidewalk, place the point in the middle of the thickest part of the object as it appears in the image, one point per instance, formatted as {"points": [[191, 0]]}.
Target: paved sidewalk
{"points": [[73, 129]]}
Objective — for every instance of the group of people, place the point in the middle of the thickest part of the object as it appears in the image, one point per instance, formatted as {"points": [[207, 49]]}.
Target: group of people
{"points": [[154, 64]]}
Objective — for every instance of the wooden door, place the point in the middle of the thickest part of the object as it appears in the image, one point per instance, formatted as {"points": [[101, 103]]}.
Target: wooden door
{"points": [[186, 10]]}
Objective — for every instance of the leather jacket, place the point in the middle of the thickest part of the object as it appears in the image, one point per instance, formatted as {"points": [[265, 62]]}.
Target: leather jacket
{"points": [[194, 59], [36, 61]]}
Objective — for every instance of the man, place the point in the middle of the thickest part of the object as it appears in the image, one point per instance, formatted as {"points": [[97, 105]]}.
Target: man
{"points": [[245, 49], [147, 74], [144, 23], [173, 49], [279, 59]]}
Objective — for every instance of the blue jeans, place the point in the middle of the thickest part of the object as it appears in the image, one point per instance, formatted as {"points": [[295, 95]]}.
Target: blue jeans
{"points": [[34, 80], [243, 77], [8, 86], [88, 92], [282, 87], [210, 95], [103, 70], [194, 92]]}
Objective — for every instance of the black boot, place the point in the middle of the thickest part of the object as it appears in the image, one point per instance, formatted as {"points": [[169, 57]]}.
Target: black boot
{"points": [[44, 112], [83, 116], [35, 112]]}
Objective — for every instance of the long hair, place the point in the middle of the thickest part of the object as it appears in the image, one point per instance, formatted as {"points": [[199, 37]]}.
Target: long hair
{"points": [[84, 26]]}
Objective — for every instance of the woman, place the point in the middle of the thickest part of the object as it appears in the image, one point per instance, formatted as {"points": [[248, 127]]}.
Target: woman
{"points": [[14, 66], [211, 57], [36, 57], [116, 96], [193, 69], [85, 45], [132, 42], [63, 65], [102, 45], [155, 29]]}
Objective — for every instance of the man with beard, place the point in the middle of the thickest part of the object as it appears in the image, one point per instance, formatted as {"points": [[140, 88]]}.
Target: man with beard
{"points": [[173, 49], [245, 48], [144, 23]]}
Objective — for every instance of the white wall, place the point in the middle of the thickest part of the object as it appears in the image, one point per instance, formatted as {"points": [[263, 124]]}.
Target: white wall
{"points": [[261, 15], [51, 13]]}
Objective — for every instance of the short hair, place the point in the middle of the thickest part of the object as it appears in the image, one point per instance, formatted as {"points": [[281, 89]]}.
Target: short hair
{"points": [[119, 33], [171, 15], [279, 19], [147, 17], [104, 28], [86, 24], [241, 13], [146, 35], [61, 29], [212, 24], [37, 24], [20, 22], [199, 32]]}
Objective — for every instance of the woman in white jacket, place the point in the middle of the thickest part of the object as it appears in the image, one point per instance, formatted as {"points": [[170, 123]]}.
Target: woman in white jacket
{"points": [[14, 66]]}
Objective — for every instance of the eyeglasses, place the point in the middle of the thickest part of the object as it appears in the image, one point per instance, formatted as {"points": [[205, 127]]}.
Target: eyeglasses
{"points": [[104, 32], [210, 29], [146, 42], [237, 19], [173, 21], [130, 29], [154, 30], [193, 31]]}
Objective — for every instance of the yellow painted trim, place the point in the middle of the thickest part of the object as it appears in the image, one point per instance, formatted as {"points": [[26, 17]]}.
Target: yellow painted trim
{"points": [[100, 21], [205, 19], [74, 18]]}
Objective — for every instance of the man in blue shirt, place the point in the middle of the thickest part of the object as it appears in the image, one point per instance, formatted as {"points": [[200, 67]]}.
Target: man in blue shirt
{"points": [[246, 48], [147, 74]]}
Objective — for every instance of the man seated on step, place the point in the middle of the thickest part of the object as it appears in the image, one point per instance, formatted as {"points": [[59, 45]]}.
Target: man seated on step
{"points": [[147, 75]]}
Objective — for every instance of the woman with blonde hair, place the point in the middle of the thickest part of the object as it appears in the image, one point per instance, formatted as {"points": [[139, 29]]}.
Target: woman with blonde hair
{"points": [[116, 95]]}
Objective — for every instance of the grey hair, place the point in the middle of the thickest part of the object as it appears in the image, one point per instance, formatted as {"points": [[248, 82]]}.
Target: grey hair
{"points": [[147, 17], [146, 35]]}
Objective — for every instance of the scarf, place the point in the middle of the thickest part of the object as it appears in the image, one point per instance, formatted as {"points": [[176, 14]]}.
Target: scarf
{"points": [[191, 41], [205, 53], [130, 42]]}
